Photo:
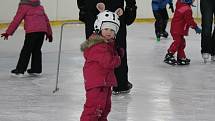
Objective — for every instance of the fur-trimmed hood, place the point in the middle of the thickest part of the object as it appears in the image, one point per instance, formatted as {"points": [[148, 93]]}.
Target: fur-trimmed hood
{"points": [[93, 39], [33, 3]]}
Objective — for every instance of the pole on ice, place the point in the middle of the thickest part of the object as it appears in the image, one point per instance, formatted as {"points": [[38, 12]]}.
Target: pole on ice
{"points": [[59, 54]]}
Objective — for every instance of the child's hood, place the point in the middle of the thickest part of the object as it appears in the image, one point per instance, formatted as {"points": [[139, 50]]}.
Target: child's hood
{"points": [[92, 40], [33, 3]]}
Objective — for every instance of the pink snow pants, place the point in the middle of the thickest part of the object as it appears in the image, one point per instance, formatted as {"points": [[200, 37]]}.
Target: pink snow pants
{"points": [[178, 45], [97, 105]]}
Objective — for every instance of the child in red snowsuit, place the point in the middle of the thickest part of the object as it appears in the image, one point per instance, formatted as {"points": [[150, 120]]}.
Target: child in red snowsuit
{"points": [[36, 25], [181, 22], [101, 58]]}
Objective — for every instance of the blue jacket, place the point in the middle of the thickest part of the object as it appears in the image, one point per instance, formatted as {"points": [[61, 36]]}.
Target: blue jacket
{"points": [[160, 4]]}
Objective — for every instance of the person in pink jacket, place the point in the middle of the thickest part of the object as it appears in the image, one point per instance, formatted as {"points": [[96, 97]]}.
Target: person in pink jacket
{"points": [[36, 25], [181, 22], [101, 58]]}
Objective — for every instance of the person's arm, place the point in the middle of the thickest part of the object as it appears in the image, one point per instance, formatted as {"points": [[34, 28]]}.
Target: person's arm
{"points": [[49, 30], [190, 21], [82, 9], [105, 57], [189, 18], [20, 14]]}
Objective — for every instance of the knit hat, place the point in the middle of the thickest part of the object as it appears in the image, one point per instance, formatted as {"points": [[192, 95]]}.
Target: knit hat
{"points": [[107, 19], [110, 25], [30, 2]]}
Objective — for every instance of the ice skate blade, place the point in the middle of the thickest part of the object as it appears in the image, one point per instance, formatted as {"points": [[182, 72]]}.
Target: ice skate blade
{"points": [[34, 74], [169, 63], [121, 92], [17, 75]]}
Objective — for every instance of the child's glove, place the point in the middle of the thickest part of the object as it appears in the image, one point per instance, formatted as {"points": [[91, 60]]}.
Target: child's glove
{"points": [[120, 51], [49, 37], [5, 35], [171, 7], [198, 30]]}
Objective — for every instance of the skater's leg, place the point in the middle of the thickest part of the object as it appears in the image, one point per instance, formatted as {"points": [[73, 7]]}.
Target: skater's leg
{"points": [[181, 57], [158, 23], [165, 18], [122, 71], [107, 105], [25, 53], [207, 20], [181, 52], [95, 104], [36, 60]]}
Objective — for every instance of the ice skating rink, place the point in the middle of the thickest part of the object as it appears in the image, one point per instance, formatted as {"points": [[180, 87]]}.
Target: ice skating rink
{"points": [[161, 92]]}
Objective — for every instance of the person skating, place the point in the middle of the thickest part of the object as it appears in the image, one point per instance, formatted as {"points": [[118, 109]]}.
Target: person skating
{"points": [[161, 17], [181, 22], [207, 8], [36, 25]]}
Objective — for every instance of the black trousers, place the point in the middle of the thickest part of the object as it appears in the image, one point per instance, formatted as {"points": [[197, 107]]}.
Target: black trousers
{"points": [[207, 8], [32, 48], [161, 20], [121, 72]]}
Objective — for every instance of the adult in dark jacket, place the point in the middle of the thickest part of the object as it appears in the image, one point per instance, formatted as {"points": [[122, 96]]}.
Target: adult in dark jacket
{"points": [[207, 8], [88, 14]]}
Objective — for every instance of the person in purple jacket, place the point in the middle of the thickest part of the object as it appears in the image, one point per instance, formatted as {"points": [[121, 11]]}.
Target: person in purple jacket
{"points": [[36, 25]]}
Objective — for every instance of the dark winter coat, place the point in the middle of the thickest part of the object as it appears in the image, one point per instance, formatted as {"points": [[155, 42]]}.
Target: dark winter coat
{"points": [[100, 61], [182, 19], [88, 10]]}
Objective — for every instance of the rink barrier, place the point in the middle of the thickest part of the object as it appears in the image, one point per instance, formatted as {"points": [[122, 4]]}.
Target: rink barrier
{"points": [[59, 52], [59, 23]]}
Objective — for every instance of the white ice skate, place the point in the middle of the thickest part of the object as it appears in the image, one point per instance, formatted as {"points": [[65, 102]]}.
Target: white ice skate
{"points": [[213, 58], [205, 57]]}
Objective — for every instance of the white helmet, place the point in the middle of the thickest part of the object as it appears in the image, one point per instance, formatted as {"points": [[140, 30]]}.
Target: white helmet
{"points": [[107, 19]]}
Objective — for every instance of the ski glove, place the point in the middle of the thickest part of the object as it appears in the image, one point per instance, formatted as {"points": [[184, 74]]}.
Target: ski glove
{"points": [[171, 7], [130, 11], [82, 15], [198, 30], [49, 38], [120, 51], [5, 35]]}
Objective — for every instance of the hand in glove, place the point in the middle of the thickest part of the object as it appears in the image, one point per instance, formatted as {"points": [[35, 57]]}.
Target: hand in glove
{"points": [[82, 15], [121, 52], [49, 37], [130, 11], [5, 35], [198, 30], [171, 7]]}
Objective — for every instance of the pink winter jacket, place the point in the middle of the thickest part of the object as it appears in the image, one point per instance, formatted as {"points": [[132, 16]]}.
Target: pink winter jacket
{"points": [[35, 20], [101, 60], [182, 19]]}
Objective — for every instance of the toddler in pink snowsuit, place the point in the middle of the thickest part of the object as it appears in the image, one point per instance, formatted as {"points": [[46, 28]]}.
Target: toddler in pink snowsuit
{"points": [[101, 58], [181, 22]]}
